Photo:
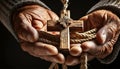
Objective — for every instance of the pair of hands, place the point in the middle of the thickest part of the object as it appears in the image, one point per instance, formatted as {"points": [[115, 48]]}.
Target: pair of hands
{"points": [[30, 20]]}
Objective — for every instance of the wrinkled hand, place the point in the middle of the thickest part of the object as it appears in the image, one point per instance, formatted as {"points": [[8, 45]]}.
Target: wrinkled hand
{"points": [[32, 19], [108, 28], [27, 22]]}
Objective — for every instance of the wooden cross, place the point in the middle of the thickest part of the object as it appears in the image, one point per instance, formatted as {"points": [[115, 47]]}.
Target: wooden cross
{"points": [[65, 25]]}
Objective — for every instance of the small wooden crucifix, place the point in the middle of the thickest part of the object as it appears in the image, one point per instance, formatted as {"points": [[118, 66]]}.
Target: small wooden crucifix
{"points": [[65, 25]]}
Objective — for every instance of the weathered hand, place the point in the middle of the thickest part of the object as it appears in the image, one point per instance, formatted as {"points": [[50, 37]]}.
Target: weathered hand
{"points": [[27, 22], [107, 24]]}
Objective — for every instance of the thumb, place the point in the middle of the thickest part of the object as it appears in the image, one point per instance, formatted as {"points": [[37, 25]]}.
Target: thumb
{"points": [[106, 33]]}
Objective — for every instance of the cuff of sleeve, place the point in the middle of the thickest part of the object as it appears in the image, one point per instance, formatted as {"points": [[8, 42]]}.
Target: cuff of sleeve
{"points": [[105, 5]]}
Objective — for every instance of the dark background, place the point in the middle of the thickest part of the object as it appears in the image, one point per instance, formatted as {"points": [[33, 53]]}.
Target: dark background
{"points": [[12, 57]]}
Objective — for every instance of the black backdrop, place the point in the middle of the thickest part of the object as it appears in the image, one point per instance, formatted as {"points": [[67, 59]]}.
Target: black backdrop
{"points": [[12, 57]]}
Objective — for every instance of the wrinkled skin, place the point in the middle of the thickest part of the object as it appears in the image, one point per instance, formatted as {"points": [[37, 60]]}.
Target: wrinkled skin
{"points": [[108, 28], [31, 19], [107, 24], [27, 24]]}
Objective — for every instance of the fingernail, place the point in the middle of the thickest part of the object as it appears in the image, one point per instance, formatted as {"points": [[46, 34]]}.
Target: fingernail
{"points": [[88, 46], [51, 50], [59, 58], [37, 24], [75, 51]]}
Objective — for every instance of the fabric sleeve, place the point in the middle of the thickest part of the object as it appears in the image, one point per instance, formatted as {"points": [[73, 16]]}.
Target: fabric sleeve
{"points": [[113, 6], [7, 7]]}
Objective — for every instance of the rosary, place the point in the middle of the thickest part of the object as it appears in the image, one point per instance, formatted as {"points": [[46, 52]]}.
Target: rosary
{"points": [[67, 27]]}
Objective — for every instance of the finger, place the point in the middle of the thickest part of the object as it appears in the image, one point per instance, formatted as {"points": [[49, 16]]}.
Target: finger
{"points": [[106, 33], [38, 25], [92, 48], [71, 61], [75, 50], [43, 15], [101, 35], [89, 46], [39, 48], [40, 14], [24, 29], [99, 51], [59, 58], [90, 21]]}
